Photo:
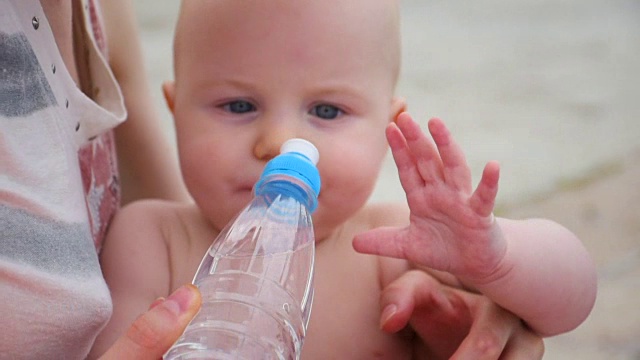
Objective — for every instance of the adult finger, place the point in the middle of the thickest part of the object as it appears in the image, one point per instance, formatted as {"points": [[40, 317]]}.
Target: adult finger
{"points": [[155, 331], [489, 334], [524, 344], [402, 296]]}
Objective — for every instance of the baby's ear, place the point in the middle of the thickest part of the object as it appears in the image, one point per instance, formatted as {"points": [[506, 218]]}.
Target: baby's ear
{"points": [[169, 91], [398, 106]]}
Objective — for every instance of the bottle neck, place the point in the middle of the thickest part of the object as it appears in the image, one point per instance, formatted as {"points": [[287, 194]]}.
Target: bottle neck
{"points": [[289, 186]]}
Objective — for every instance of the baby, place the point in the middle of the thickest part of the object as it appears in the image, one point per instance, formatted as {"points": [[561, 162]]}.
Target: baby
{"points": [[251, 74]]}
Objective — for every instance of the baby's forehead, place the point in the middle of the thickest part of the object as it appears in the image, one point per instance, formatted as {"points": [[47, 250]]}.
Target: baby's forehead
{"points": [[203, 20], [287, 12]]}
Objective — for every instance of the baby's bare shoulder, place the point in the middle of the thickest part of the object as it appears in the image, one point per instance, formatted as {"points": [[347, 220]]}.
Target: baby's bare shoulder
{"points": [[162, 229], [155, 223], [150, 209], [386, 214], [160, 214]]}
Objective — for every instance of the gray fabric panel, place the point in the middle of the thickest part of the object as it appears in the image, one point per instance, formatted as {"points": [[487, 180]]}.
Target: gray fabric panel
{"points": [[24, 88], [52, 246]]}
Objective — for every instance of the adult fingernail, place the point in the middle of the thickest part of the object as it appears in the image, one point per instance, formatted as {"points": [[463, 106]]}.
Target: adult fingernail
{"points": [[178, 302], [387, 314], [156, 302]]}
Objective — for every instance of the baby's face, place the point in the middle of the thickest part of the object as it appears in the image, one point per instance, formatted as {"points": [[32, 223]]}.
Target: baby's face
{"points": [[252, 74]]}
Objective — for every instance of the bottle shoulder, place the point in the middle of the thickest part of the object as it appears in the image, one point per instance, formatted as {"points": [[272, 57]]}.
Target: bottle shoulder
{"points": [[276, 185]]}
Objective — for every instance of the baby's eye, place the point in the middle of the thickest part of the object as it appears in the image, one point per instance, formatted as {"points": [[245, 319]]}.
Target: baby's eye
{"points": [[239, 107], [326, 111]]}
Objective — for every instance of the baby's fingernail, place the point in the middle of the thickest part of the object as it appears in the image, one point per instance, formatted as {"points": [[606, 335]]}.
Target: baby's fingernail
{"points": [[387, 313], [179, 301]]}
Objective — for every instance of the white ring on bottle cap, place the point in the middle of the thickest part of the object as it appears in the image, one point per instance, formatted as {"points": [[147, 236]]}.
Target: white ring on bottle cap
{"points": [[303, 147]]}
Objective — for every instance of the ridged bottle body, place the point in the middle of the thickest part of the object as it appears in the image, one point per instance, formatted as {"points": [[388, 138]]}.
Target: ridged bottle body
{"points": [[256, 280]]}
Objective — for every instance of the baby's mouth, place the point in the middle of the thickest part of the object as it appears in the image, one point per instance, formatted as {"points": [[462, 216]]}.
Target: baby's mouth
{"points": [[246, 188]]}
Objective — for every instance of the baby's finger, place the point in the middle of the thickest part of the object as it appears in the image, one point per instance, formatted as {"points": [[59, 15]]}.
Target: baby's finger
{"points": [[385, 241], [483, 199], [455, 169], [397, 243], [408, 173], [422, 148]]}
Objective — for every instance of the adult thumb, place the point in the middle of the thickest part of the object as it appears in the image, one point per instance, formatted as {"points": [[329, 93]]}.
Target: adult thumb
{"points": [[153, 332]]}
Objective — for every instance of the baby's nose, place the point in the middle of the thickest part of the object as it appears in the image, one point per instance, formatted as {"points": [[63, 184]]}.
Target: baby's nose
{"points": [[272, 135]]}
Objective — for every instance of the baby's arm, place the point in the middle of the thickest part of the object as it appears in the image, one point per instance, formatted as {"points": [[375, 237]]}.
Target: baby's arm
{"points": [[534, 268], [546, 276], [135, 264]]}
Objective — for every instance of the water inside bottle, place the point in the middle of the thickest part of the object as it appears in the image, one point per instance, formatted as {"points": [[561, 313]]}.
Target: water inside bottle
{"points": [[243, 309]]}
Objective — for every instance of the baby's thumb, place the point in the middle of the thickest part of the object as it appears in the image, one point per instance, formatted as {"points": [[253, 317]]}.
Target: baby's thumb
{"points": [[414, 289], [153, 333], [385, 241]]}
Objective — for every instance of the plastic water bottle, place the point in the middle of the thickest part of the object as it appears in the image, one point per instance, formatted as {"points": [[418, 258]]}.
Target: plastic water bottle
{"points": [[256, 279]]}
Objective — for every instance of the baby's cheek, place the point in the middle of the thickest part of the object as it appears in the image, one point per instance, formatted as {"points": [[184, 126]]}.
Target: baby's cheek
{"points": [[338, 203]]}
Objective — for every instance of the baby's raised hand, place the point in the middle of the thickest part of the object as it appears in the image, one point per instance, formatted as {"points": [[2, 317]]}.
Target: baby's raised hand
{"points": [[452, 227]]}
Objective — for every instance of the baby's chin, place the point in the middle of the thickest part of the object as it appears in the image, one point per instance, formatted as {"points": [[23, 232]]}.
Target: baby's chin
{"points": [[220, 213], [242, 197]]}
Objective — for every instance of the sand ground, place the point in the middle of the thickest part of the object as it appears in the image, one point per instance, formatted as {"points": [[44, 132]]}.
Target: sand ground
{"points": [[549, 89]]}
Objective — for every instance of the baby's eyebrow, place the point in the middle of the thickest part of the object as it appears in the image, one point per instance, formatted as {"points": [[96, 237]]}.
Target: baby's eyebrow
{"points": [[347, 92], [226, 82]]}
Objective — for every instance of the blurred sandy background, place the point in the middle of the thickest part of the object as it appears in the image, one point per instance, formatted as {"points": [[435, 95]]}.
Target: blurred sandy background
{"points": [[550, 89]]}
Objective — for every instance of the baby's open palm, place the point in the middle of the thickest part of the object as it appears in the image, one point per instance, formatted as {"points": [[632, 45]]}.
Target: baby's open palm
{"points": [[452, 227]]}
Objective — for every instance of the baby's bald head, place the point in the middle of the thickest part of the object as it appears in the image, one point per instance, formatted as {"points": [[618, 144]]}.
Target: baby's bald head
{"points": [[371, 26]]}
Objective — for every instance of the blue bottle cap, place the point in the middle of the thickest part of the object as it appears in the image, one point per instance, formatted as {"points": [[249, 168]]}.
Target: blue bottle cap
{"points": [[297, 159]]}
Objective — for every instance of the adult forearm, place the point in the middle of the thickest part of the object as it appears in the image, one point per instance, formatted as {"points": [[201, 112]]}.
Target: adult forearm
{"points": [[147, 161]]}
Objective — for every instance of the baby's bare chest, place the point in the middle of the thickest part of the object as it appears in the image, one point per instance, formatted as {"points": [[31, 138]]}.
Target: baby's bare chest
{"points": [[346, 313]]}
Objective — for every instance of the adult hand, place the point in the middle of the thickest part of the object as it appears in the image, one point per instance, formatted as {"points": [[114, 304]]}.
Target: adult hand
{"points": [[453, 323], [153, 333]]}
